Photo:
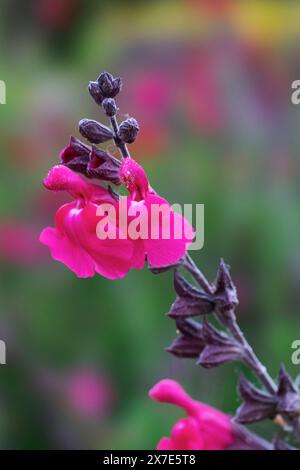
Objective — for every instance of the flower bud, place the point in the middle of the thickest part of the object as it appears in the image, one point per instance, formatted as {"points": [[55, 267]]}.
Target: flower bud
{"points": [[103, 166], [128, 130], [190, 342], [288, 395], [185, 347], [76, 156], [257, 404], [109, 106], [95, 92], [220, 348], [225, 294], [95, 132], [190, 301], [109, 86]]}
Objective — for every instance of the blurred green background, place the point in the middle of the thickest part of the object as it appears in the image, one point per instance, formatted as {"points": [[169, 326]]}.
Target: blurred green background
{"points": [[210, 83]]}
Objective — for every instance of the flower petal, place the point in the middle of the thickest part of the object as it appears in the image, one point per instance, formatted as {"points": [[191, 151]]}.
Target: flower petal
{"points": [[64, 250], [173, 233]]}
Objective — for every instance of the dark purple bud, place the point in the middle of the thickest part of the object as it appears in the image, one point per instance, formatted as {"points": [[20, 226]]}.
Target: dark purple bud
{"points": [[220, 348], [186, 347], [128, 130], [109, 86], [109, 106], [287, 394], [190, 301], [189, 343], [95, 132], [117, 86], [190, 307], [258, 405], [95, 92], [103, 166], [76, 156], [189, 327], [285, 382], [225, 293]]}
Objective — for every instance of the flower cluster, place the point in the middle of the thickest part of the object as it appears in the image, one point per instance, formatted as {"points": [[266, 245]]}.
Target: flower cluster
{"points": [[74, 240]]}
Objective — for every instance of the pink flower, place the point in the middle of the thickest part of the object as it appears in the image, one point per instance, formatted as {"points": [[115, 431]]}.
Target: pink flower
{"points": [[74, 241], [19, 244], [205, 428], [202, 100], [162, 246], [87, 393], [150, 90]]}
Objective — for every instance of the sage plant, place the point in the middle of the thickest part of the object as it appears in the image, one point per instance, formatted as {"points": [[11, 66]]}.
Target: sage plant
{"points": [[90, 238]]}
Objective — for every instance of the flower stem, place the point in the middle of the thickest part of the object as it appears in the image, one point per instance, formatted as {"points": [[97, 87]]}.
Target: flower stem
{"points": [[190, 266], [250, 357], [247, 440], [121, 145]]}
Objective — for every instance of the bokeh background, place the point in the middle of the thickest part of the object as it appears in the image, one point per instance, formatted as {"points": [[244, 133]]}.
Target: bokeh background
{"points": [[210, 83]]}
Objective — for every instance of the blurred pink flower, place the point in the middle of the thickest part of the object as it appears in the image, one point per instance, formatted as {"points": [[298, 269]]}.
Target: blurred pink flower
{"points": [[19, 243], [218, 8], [202, 99], [87, 393], [56, 13], [205, 428], [150, 92], [154, 139]]}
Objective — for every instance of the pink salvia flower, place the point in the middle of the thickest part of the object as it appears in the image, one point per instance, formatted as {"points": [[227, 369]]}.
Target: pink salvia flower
{"points": [[169, 234], [87, 393], [204, 428], [19, 244], [74, 241]]}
